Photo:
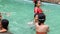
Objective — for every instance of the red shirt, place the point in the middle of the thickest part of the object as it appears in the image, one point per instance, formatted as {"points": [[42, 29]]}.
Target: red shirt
{"points": [[37, 10]]}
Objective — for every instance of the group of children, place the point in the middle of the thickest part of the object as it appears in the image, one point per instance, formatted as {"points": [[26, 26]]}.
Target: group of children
{"points": [[3, 24], [39, 19]]}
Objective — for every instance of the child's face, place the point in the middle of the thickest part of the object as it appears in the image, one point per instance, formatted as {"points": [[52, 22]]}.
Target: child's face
{"points": [[36, 18], [39, 3]]}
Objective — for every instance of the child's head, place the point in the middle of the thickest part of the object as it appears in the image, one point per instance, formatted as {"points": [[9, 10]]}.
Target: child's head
{"points": [[37, 3], [36, 17], [5, 23], [41, 18]]}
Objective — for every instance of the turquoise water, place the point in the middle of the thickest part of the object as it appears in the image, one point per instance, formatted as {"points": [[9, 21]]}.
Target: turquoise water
{"points": [[21, 12]]}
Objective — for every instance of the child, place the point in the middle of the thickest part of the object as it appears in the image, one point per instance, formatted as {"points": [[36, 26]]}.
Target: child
{"points": [[37, 8], [32, 23], [4, 25], [35, 18], [41, 28]]}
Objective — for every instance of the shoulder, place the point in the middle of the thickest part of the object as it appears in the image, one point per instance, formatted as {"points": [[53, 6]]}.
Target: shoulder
{"points": [[35, 8], [46, 26], [6, 33]]}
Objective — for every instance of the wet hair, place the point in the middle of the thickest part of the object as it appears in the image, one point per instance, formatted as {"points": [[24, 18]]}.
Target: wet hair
{"points": [[5, 23], [41, 18], [35, 15], [36, 2]]}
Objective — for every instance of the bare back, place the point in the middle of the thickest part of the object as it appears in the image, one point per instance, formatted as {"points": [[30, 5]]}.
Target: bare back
{"points": [[43, 29]]}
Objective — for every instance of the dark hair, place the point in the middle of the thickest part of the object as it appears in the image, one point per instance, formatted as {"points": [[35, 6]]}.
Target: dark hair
{"points": [[35, 15], [36, 2], [41, 18], [5, 23]]}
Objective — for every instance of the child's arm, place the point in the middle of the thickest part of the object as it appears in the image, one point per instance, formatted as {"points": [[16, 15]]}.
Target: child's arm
{"points": [[48, 29], [35, 10]]}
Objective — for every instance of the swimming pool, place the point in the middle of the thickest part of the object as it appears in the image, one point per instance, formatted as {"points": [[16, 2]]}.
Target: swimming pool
{"points": [[21, 12]]}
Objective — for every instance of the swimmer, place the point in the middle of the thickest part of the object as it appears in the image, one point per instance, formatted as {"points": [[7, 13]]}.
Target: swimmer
{"points": [[4, 25], [41, 28], [32, 23], [35, 18], [37, 8]]}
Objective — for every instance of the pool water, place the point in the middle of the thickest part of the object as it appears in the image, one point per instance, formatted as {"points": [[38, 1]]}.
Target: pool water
{"points": [[21, 12]]}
